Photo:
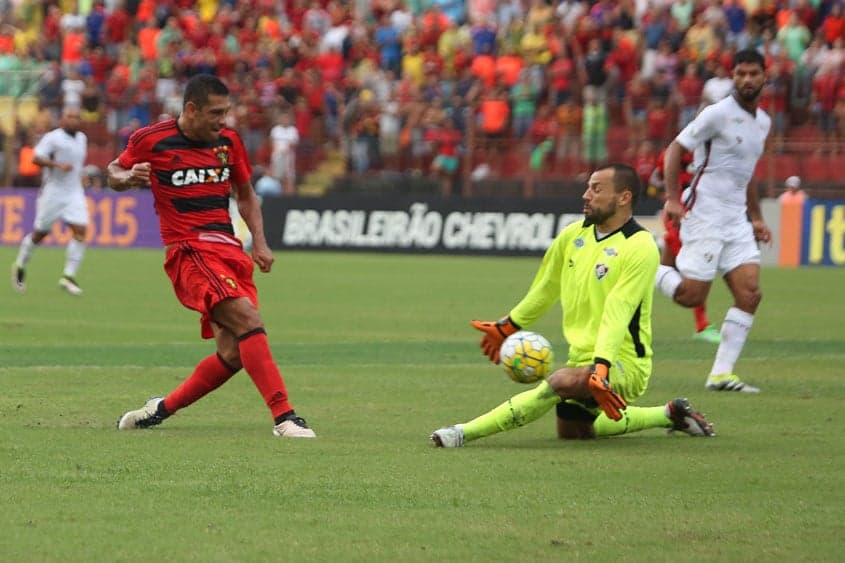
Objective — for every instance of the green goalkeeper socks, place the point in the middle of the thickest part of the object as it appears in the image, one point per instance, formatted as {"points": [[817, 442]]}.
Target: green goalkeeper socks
{"points": [[634, 419], [517, 411]]}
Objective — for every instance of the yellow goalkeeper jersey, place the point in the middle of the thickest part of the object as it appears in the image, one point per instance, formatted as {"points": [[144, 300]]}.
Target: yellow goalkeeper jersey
{"points": [[605, 288]]}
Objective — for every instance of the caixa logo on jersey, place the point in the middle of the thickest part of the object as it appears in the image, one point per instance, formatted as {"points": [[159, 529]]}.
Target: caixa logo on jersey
{"points": [[191, 176]]}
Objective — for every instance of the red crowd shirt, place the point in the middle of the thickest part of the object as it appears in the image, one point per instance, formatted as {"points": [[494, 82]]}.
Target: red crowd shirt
{"points": [[685, 176], [191, 179]]}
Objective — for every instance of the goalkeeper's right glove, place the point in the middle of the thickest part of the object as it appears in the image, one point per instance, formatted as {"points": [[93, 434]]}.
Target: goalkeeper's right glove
{"points": [[494, 334]]}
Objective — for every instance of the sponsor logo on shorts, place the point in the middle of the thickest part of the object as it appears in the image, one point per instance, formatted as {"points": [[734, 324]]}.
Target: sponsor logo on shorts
{"points": [[231, 283]]}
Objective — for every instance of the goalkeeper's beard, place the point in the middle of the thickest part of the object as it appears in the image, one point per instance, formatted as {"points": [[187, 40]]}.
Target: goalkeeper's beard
{"points": [[599, 216]]}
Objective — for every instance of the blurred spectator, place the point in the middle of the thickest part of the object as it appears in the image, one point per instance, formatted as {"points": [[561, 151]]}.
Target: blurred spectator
{"points": [[90, 102], [95, 24], [794, 36], [736, 20], [700, 39], [793, 191], [523, 97], [682, 13], [127, 130], [635, 107], [389, 42], [445, 139], [569, 120], [560, 78], [593, 71], [826, 87], [72, 87], [594, 129], [646, 161], [717, 87], [775, 101], [689, 92], [390, 125], [494, 114], [658, 120], [284, 137], [266, 185], [28, 173], [833, 26]]}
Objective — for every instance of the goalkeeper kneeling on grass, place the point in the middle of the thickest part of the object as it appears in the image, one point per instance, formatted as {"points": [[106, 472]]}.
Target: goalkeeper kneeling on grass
{"points": [[602, 270]]}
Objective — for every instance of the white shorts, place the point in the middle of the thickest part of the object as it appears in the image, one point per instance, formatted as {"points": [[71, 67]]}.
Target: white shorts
{"points": [[708, 249], [72, 210]]}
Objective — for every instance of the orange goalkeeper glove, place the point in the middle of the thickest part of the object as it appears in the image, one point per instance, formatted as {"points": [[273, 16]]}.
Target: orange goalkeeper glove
{"points": [[494, 334], [609, 400]]}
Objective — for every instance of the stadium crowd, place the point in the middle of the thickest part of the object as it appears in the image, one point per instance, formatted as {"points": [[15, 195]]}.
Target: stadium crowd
{"points": [[414, 84]]}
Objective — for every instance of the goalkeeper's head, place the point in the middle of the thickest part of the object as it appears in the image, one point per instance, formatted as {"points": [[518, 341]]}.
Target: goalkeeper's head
{"points": [[612, 191]]}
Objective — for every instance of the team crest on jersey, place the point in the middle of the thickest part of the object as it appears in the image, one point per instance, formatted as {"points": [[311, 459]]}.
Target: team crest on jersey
{"points": [[222, 154], [579, 242], [601, 271], [610, 251], [231, 283]]}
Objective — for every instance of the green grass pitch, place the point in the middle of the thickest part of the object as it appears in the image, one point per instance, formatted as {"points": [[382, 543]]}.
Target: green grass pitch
{"points": [[377, 352]]}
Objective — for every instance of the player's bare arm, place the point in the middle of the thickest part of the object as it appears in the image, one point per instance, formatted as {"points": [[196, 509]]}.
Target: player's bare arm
{"points": [[250, 211], [48, 163], [671, 175], [121, 179], [761, 230]]}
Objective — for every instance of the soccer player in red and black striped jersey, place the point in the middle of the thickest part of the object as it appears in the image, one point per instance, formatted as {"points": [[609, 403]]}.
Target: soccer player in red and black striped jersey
{"points": [[192, 163]]}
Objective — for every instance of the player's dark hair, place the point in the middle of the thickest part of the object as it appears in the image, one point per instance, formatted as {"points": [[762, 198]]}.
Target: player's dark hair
{"points": [[625, 178], [201, 86], [750, 56]]}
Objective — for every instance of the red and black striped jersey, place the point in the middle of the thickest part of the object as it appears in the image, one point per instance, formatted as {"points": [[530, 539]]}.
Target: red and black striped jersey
{"points": [[190, 180]]}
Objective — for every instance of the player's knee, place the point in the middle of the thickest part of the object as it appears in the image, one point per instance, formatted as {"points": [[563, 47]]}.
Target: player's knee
{"points": [[231, 357], [689, 297], [750, 299]]}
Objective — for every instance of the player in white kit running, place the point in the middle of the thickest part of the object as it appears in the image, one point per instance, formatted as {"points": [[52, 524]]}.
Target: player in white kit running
{"points": [[61, 154], [721, 230]]}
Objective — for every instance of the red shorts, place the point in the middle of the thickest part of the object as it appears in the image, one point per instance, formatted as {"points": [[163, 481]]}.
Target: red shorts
{"points": [[672, 237], [206, 273]]}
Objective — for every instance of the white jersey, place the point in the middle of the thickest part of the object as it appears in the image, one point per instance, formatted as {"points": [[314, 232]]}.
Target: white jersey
{"points": [[728, 141], [284, 138], [59, 146]]}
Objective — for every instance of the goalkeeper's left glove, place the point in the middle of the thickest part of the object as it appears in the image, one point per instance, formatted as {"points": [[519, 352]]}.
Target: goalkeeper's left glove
{"points": [[494, 334], [609, 400]]}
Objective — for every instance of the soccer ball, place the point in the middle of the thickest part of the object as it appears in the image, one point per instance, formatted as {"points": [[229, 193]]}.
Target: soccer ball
{"points": [[526, 356]]}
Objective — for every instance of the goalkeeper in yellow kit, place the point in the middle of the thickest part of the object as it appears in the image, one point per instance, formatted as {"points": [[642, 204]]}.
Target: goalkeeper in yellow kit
{"points": [[602, 271]]}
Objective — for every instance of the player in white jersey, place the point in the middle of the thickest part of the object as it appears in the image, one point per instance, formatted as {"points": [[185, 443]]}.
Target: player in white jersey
{"points": [[61, 154], [723, 225]]}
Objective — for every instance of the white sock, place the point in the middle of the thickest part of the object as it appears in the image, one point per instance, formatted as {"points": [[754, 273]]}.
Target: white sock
{"points": [[25, 251], [73, 257], [667, 280], [734, 332]]}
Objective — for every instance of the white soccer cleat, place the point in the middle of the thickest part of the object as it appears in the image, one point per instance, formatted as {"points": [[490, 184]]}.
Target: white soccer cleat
{"points": [[688, 420], [448, 437], [293, 427], [69, 284], [728, 382], [146, 416], [18, 275]]}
